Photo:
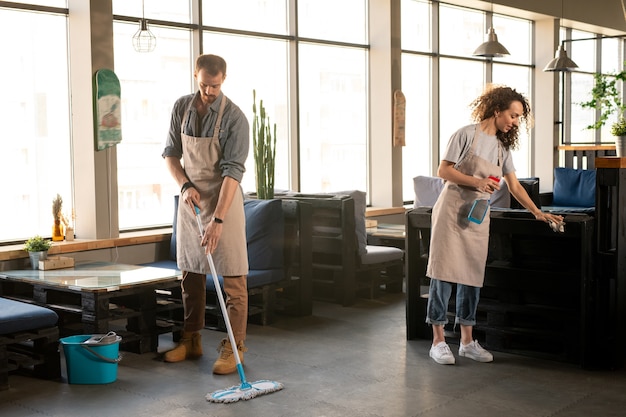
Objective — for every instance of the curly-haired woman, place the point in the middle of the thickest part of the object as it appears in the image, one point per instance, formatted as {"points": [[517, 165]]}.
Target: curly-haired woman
{"points": [[476, 158]]}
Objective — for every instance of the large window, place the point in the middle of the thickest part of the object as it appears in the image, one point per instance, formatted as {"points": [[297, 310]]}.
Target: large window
{"points": [[461, 76], [419, 90], [259, 43], [592, 54], [150, 84], [333, 98], [333, 118], [308, 60], [34, 108], [271, 84]]}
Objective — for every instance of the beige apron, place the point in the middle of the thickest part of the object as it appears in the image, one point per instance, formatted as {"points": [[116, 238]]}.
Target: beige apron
{"points": [[201, 163], [458, 247]]}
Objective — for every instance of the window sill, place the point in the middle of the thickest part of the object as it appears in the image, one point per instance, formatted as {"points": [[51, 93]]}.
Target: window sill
{"points": [[12, 252]]}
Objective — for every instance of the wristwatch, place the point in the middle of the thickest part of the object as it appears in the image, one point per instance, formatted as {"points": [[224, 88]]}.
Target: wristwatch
{"points": [[218, 220]]}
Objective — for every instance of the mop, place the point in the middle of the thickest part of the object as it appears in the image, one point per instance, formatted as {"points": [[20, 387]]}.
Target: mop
{"points": [[246, 390]]}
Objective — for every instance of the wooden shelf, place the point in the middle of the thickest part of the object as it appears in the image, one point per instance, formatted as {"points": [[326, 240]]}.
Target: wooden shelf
{"points": [[610, 162], [11, 252]]}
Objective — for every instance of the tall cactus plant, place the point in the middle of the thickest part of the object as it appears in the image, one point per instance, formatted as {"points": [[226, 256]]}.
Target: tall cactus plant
{"points": [[264, 145]]}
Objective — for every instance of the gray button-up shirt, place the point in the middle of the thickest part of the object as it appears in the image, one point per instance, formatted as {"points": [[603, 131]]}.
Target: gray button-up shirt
{"points": [[234, 136]]}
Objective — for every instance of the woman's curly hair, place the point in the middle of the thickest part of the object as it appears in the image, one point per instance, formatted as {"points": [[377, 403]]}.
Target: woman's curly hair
{"points": [[499, 98]]}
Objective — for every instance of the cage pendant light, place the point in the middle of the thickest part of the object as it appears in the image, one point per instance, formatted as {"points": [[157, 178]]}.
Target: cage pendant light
{"points": [[561, 62], [492, 48], [143, 39]]}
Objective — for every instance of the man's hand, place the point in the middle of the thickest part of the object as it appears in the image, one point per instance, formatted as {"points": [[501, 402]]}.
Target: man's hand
{"points": [[191, 198], [211, 237]]}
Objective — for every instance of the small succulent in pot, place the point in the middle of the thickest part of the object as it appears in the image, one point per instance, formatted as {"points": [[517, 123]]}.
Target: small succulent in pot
{"points": [[37, 244]]}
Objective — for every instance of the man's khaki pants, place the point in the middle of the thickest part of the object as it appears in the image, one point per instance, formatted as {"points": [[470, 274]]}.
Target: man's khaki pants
{"points": [[194, 301]]}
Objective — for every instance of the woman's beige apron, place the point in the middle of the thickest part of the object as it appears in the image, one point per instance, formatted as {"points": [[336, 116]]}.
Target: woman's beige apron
{"points": [[202, 156], [458, 247]]}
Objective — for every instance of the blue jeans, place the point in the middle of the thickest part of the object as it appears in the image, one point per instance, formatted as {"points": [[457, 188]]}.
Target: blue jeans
{"points": [[466, 303]]}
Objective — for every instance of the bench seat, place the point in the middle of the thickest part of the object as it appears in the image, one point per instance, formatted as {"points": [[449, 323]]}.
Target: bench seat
{"points": [[28, 340]]}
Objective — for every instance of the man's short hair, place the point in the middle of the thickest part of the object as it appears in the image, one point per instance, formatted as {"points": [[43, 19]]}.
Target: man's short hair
{"points": [[212, 64]]}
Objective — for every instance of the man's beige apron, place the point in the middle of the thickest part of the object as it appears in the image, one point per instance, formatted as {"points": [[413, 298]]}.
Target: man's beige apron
{"points": [[202, 156], [458, 247]]}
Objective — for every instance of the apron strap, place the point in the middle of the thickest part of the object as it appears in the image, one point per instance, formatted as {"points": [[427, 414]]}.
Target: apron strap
{"points": [[186, 115], [218, 123]]}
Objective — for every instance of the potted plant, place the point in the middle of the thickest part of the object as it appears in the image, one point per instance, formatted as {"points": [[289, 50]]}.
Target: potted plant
{"points": [[605, 97], [618, 129], [37, 248], [264, 147]]}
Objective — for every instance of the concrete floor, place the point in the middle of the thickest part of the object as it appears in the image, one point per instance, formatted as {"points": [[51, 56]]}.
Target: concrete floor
{"points": [[341, 361]]}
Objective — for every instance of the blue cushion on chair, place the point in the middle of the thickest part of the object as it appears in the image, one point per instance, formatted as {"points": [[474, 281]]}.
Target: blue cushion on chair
{"points": [[574, 187], [264, 233], [17, 316]]}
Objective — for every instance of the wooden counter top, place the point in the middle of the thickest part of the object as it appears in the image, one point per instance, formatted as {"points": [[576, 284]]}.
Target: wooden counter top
{"points": [[610, 162]]}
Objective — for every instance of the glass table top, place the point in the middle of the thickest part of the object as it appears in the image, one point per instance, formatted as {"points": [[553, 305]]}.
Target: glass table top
{"points": [[387, 230], [94, 276]]}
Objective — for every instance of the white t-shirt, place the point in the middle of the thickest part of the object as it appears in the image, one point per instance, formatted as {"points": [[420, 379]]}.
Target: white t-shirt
{"points": [[486, 147]]}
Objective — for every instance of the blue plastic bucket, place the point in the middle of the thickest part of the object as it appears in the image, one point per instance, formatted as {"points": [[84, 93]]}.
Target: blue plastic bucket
{"points": [[94, 362]]}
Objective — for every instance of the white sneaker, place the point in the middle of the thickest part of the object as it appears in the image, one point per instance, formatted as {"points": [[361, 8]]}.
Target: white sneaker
{"points": [[442, 354], [475, 351]]}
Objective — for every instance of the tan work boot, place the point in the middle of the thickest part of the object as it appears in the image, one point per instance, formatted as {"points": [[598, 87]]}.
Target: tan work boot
{"points": [[226, 362], [189, 347]]}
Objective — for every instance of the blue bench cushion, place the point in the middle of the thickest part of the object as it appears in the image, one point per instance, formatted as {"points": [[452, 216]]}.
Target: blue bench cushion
{"points": [[265, 232], [574, 187], [16, 316]]}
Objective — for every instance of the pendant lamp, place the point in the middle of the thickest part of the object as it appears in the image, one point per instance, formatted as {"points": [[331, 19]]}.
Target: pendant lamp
{"points": [[143, 39], [492, 48], [560, 62]]}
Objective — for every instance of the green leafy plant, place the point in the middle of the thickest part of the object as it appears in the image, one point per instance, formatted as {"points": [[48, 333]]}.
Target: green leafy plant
{"points": [[606, 97], [264, 144], [37, 244], [619, 128]]}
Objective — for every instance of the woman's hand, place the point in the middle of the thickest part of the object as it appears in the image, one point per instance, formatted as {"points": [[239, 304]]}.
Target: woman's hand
{"points": [[555, 221], [488, 185]]}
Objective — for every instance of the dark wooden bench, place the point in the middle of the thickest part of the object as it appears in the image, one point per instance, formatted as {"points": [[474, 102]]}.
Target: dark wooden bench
{"points": [[340, 272], [29, 339]]}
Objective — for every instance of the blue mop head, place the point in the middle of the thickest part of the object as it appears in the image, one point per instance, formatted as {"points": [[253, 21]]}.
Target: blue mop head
{"points": [[244, 392]]}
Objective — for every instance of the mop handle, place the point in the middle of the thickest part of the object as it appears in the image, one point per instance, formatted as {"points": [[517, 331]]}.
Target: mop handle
{"points": [[220, 296]]}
